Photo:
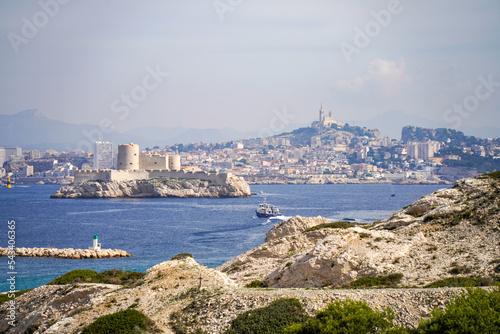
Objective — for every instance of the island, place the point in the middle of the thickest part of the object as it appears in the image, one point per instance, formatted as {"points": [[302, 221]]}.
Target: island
{"points": [[151, 175]]}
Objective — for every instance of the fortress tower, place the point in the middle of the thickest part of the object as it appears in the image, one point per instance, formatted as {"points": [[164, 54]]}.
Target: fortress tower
{"points": [[174, 162], [128, 156]]}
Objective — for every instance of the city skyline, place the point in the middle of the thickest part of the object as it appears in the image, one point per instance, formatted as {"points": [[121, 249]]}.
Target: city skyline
{"points": [[250, 66]]}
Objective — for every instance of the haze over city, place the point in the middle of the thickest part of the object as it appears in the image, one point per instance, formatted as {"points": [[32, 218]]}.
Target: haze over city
{"points": [[236, 64]]}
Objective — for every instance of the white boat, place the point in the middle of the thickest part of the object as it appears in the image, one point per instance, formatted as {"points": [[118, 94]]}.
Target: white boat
{"points": [[266, 210]]}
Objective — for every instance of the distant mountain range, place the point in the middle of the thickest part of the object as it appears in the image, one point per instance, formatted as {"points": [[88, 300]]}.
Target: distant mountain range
{"points": [[30, 129]]}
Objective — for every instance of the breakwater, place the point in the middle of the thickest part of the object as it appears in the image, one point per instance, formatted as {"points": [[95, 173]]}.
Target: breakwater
{"points": [[65, 253]]}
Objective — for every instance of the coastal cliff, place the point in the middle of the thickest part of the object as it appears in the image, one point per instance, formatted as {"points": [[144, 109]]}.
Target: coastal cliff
{"points": [[159, 187], [452, 232]]}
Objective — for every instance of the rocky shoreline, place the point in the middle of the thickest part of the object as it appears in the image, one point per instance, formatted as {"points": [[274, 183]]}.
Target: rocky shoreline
{"points": [[325, 179], [64, 253], [160, 187]]}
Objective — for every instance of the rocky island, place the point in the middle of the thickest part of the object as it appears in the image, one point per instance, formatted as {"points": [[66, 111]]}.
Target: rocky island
{"points": [[232, 186], [452, 234], [151, 175]]}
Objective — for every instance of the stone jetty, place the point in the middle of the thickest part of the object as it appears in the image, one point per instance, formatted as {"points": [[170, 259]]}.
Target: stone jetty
{"points": [[65, 253]]}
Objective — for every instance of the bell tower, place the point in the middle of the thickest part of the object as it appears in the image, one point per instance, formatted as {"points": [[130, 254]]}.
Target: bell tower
{"points": [[321, 114]]}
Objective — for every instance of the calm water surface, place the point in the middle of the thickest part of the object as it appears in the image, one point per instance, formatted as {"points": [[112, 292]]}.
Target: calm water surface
{"points": [[153, 230]]}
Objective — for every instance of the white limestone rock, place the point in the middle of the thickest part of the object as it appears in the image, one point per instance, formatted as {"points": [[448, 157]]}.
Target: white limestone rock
{"points": [[234, 187]]}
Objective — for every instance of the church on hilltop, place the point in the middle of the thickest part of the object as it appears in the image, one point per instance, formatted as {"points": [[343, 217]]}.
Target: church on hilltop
{"points": [[326, 122]]}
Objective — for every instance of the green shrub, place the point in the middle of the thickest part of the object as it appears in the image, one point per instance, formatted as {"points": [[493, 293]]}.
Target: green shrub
{"points": [[456, 269], [271, 319], [5, 297], [347, 316], [387, 281], [112, 276], [492, 175], [32, 328], [118, 276], [256, 284], [81, 275], [478, 311], [123, 322], [463, 282], [181, 256], [339, 224]]}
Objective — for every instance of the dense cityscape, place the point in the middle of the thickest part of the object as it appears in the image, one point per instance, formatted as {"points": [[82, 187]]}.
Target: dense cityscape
{"points": [[328, 151]]}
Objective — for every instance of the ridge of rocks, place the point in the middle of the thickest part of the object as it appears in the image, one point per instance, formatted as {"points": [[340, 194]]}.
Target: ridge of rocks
{"points": [[181, 188], [454, 230]]}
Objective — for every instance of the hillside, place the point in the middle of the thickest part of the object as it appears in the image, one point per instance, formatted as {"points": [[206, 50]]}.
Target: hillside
{"points": [[448, 233], [302, 136]]}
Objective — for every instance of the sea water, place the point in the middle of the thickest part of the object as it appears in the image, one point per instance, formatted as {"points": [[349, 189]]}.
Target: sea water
{"points": [[214, 230]]}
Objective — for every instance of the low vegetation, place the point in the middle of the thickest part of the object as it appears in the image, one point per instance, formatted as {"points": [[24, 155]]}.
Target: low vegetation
{"points": [[123, 322], [339, 224], [79, 275], [388, 281], [346, 316], [477, 311], [112, 276], [271, 319], [493, 175], [461, 282], [5, 296], [181, 256], [256, 284]]}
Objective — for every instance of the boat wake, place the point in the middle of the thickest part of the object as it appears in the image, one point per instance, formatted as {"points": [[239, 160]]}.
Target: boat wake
{"points": [[274, 220]]}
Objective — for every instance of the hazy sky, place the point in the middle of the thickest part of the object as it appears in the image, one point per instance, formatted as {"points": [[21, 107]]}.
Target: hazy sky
{"points": [[250, 64]]}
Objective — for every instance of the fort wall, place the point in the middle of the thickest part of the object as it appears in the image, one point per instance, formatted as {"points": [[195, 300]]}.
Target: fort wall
{"points": [[109, 175], [153, 161]]}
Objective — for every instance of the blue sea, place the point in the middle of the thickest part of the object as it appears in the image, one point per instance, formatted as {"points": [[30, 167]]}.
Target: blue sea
{"points": [[155, 229]]}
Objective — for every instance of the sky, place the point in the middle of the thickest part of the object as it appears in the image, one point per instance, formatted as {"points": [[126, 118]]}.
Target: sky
{"points": [[250, 65]]}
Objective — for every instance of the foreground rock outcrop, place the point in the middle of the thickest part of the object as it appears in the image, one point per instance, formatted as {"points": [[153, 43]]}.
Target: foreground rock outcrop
{"points": [[453, 231], [65, 253], [165, 187], [171, 295]]}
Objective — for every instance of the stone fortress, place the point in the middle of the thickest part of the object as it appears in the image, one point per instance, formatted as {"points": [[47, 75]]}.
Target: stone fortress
{"points": [[135, 166]]}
